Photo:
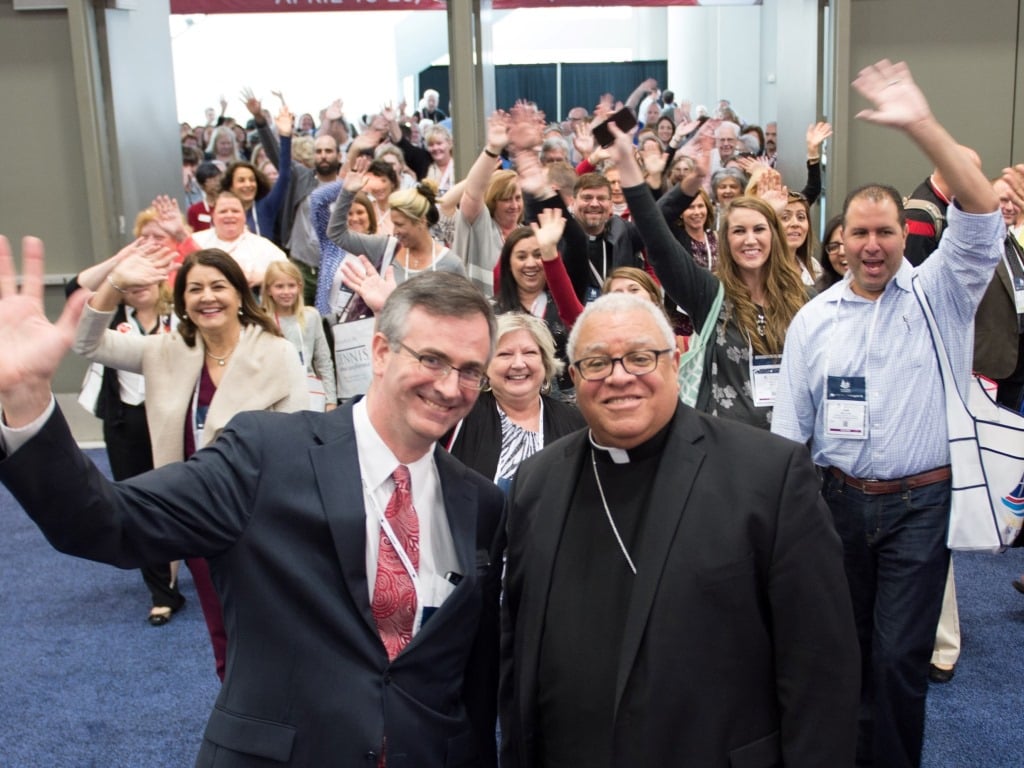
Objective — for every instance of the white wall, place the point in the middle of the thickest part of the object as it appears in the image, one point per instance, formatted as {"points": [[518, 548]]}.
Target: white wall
{"points": [[369, 57]]}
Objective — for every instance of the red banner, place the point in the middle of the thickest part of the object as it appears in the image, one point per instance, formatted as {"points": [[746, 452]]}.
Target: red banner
{"points": [[276, 6]]}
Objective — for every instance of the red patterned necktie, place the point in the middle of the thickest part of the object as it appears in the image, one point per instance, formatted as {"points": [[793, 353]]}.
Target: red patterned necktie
{"points": [[394, 594]]}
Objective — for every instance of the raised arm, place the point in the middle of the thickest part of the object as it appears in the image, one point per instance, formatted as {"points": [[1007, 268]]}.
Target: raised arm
{"points": [[648, 85], [33, 346], [271, 204], [897, 102], [93, 277], [688, 285], [483, 167], [372, 246], [142, 264], [267, 138], [548, 229]]}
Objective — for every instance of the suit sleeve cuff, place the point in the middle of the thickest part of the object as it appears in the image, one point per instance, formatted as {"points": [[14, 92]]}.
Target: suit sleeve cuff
{"points": [[12, 439]]}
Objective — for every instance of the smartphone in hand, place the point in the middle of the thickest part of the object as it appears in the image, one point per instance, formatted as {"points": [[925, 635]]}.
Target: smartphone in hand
{"points": [[624, 119]]}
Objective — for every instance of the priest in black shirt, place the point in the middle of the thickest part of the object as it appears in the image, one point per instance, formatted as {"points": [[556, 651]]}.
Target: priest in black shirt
{"points": [[675, 591]]}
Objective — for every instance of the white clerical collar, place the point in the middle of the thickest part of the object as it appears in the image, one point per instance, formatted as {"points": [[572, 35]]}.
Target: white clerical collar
{"points": [[618, 455]]}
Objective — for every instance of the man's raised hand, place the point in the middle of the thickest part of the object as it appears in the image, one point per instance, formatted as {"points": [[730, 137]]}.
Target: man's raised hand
{"points": [[33, 346]]}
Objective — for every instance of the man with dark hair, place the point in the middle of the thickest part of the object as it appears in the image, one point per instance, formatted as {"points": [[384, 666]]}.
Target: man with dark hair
{"points": [[357, 562], [881, 443], [608, 241], [294, 226]]}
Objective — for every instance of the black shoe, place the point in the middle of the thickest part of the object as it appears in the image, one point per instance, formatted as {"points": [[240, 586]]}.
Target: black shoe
{"points": [[1018, 584], [940, 675], [161, 614]]}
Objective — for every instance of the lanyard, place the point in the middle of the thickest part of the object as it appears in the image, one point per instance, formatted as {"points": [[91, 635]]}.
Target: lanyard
{"points": [[604, 263], [400, 551]]}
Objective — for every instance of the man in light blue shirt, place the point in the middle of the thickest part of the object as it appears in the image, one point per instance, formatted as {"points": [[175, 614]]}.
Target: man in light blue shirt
{"points": [[861, 386]]}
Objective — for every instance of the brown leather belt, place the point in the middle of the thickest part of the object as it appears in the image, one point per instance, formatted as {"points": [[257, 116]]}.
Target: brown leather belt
{"points": [[900, 484]]}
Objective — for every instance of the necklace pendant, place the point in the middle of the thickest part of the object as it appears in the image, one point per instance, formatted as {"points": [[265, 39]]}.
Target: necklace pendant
{"points": [[221, 362]]}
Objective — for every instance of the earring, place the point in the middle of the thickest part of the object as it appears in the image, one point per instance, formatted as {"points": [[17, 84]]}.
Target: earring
{"points": [[239, 311]]}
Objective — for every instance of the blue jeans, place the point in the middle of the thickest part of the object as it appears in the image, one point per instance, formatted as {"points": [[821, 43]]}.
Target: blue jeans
{"points": [[894, 549]]}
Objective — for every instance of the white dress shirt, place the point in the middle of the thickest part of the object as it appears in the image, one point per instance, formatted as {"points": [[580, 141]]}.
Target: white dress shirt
{"points": [[437, 550]]}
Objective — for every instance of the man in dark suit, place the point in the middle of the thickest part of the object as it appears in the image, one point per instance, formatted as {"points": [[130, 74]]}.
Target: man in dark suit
{"points": [[289, 509], [675, 590]]}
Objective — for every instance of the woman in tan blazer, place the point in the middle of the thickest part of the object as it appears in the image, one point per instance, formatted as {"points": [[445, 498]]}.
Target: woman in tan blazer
{"points": [[227, 356]]}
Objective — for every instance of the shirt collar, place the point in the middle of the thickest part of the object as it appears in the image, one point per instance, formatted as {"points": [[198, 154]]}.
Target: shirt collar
{"points": [[376, 460], [843, 290]]}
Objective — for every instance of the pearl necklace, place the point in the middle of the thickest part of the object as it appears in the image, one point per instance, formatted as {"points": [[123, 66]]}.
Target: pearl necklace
{"points": [[222, 361]]}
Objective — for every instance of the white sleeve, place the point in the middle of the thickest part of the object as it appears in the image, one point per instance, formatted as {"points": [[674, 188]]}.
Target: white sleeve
{"points": [[12, 439]]}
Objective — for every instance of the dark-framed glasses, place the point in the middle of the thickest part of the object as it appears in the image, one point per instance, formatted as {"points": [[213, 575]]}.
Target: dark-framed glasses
{"points": [[638, 363], [833, 247], [469, 378]]}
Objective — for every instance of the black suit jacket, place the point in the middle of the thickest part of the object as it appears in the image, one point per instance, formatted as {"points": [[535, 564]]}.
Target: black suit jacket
{"points": [[276, 505], [996, 339], [739, 646]]}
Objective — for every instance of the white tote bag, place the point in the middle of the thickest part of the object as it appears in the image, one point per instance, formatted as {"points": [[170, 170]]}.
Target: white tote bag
{"points": [[352, 356], [986, 450]]}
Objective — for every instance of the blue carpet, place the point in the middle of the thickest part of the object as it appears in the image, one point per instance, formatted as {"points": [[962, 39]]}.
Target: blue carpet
{"points": [[85, 682]]}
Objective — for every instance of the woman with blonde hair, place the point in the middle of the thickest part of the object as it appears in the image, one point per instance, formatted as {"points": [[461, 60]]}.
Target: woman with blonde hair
{"points": [[408, 251], [222, 149], [282, 300], [438, 142], [491, 206], [120, 402], [514, 417]]}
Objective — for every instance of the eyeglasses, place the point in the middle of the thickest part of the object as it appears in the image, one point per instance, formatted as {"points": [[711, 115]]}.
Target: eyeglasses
{"points": [[833, 247], [639, 362], [469, 378]]}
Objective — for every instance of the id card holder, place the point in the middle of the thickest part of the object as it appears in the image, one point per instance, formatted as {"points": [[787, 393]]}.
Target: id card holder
{"points": [[846, 408], [764, 378], [1018, 294]]}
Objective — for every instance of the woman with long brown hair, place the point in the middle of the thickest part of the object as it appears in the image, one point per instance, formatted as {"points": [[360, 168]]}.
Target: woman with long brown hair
{"points": [[226, 356]]}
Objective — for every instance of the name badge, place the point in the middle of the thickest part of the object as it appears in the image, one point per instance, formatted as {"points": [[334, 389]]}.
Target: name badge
{"points": [[205, 218], [846, 408], [1018, 294], [764, 378]]}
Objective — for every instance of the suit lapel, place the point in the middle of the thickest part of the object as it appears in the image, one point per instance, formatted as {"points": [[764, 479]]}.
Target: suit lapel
{"points": [[246, 385], [460, 505], [336, 470], [1004, 274], [670, 493]]}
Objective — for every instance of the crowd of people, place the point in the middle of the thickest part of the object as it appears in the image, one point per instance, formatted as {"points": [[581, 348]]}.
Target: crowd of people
{"points": [[635, 334]]}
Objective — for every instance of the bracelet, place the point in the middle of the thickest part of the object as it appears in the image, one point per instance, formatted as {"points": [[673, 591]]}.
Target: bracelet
{"points": [[488, 152], [115, 286]]}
